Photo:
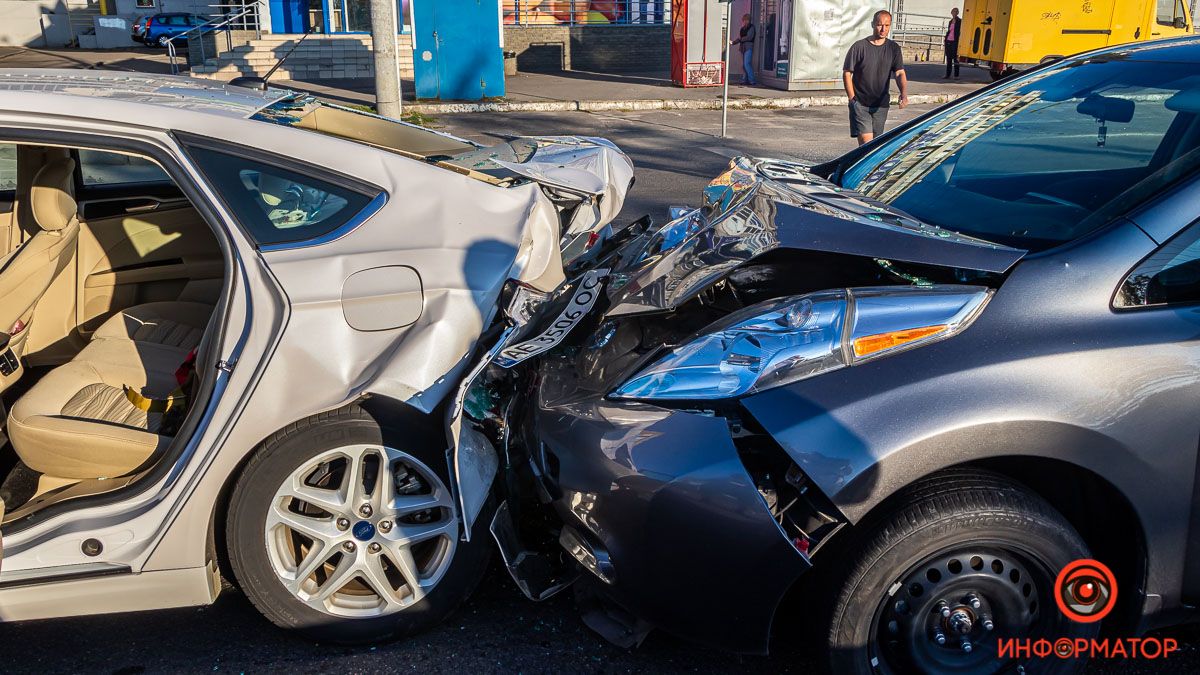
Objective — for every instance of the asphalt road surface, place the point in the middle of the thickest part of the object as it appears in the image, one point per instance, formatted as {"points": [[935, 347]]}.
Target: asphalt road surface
{"points": [[676, 153], [497, 630]]}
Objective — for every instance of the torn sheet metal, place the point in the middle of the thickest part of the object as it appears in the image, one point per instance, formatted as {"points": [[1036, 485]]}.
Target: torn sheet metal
{"points": [[591, 170], [758, 206]]}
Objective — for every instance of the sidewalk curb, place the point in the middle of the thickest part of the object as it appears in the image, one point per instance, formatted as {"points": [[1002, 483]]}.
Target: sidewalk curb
{"points": [[651, 104]]}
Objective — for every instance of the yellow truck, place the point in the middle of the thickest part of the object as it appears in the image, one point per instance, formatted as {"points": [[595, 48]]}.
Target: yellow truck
{"points": [[1008, 35]]}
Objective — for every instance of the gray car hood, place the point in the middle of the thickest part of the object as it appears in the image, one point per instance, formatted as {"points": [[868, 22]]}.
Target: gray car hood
{"points": [[757, 206]]}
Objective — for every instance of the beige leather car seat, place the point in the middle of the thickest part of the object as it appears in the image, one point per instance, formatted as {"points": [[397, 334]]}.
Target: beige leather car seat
{"points": [[177, 324], [78, 422], [26, 273]]}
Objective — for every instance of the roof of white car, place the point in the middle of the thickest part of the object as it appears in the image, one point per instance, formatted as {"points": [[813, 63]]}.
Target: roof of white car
{"points": [[194, 95]]}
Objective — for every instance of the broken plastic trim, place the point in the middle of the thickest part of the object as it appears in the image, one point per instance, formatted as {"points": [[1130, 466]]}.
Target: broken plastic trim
{"points": [[538, 576], [593, 558], [479, 481], [471, 490]]}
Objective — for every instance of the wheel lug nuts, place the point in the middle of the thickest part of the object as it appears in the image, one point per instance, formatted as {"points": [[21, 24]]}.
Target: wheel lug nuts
{"points": [[973, 601], [348, 546], [939, 637], [385, 526], [967, 646], [373, 547], [343, 523], [365, 511], [943, 609], [987, 623]]}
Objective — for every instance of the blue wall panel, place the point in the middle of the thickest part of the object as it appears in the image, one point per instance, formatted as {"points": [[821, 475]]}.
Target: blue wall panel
{"points": [[289, 16], [456, 50]]}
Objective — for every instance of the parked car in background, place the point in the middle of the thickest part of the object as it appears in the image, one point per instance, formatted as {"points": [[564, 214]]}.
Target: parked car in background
{"points": [[155, 30]]}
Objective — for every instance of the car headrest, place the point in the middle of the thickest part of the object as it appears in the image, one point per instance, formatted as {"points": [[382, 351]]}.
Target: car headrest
{"points": [[50, 196]]}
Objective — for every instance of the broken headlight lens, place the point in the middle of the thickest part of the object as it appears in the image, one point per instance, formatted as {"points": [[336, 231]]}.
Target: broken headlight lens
{"points": [[793, 338]]}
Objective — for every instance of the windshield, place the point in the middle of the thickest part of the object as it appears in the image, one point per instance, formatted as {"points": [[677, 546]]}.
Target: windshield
{"points": [[1047, 158]]}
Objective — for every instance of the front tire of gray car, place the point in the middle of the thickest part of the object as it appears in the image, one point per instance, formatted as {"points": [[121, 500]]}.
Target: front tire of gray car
{"points": [[322, 544], [956, 565]]}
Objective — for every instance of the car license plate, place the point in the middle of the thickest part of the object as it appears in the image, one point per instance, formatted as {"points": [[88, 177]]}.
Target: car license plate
{"points": [[581, 303]]}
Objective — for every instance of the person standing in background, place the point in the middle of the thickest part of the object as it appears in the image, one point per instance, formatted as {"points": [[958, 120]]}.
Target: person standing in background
{"points": [[745, 42], [867, 76], [953, 31]]}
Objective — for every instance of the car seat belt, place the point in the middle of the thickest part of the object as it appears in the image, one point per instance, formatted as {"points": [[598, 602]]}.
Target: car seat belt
{"points": [[174, 406], [155, 405]]}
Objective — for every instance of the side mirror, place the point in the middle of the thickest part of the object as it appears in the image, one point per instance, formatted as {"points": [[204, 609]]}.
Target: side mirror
{"points": [[1180, 22]]}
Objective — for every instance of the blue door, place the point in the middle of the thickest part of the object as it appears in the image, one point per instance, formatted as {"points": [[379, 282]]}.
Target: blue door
{"points": [[456, 49], [289, 16]]}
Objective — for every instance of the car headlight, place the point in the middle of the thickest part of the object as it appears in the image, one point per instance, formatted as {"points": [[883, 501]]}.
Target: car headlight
{"points": [[789, 339]]}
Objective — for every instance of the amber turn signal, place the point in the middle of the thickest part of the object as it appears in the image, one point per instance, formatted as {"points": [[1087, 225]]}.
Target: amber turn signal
{"points": [[870, 344]]}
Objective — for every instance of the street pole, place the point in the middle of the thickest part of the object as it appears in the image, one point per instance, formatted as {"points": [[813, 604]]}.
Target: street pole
{"points": [[725, 96], [387, 66]]}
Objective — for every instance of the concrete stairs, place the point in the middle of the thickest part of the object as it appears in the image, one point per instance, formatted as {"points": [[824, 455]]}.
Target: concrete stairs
{"points": [[82, 15], [319, 57]]}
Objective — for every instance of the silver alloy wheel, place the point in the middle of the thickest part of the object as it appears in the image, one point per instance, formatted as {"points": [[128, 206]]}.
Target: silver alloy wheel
{"points": [[361, 531]]}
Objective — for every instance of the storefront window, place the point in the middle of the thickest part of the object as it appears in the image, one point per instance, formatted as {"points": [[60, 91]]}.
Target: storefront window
{"points": [[769, 21], [358, 15], [337, 23]]}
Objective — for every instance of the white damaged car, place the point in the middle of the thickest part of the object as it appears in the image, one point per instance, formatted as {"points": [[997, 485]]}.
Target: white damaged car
{"points": [[239, 327]]}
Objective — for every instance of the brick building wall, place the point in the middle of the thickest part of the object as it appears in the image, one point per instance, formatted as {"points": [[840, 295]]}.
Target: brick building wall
{"points": [[598, 49]]}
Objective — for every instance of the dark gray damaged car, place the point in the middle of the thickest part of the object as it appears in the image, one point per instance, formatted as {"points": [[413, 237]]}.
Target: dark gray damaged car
{"points": [[905, 388]]}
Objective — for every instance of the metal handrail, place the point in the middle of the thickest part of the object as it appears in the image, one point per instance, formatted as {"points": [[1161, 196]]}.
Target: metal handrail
{"points": [[912, 23], [209, 27]]}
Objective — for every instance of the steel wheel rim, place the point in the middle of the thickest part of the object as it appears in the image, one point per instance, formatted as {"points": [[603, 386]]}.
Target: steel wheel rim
{"points": [[361, 531], [1013, 603]]}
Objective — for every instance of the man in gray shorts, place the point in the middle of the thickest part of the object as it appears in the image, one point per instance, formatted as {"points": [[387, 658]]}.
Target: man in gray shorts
{"points": [[867, 74]]}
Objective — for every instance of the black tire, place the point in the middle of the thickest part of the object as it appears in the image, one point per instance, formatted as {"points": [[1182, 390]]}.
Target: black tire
{"points": [[879, 618], [272, 463]]}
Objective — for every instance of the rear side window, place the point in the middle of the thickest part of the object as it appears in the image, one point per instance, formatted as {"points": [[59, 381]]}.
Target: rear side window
{"points": [[101, 168], [1170, 276], [278, 205]]}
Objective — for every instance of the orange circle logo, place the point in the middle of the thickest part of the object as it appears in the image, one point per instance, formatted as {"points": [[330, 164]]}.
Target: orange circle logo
{"points": [[1085, 591]]}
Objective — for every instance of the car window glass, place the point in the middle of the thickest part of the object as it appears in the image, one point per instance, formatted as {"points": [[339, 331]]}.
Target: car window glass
{"points": [[8, 167], [1044, 159], [1170, 275], [101, 168], [1168, 10], [278, 205], [199, 21], [176, 21]]}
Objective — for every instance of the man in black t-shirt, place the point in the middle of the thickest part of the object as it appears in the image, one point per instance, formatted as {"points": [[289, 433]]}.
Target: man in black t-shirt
{"points": [[867, 75]]}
